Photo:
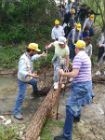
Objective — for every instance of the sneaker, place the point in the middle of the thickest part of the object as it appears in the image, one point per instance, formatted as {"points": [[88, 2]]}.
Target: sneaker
{"points": [[18, 117], [70, 79], [61, 138], [56, 85], [62, 86], [98, 73]]}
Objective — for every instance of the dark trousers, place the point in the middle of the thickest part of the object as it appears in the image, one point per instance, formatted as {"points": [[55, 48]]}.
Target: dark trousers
{"points": [[100, 52], [72, 51]]}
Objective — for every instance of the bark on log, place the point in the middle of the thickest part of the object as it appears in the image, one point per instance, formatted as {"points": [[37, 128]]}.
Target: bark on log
{"points": [[35, 126], [98, 79]]}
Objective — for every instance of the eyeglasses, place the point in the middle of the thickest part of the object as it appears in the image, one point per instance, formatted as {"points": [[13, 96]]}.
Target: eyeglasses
{"points": [[33, 50]]}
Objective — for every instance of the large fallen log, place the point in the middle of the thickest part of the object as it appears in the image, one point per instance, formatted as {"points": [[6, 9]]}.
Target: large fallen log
{"points": [[98, 79], [35, 126]]}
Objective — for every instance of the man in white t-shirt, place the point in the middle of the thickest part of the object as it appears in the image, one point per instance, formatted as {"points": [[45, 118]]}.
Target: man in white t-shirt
{"points": [[60, 59], [57, 31]]}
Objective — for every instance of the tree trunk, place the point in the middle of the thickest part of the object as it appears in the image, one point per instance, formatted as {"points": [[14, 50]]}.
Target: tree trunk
{"points": [[0, 11], [104, 17], [35, 126], [100, 9]]}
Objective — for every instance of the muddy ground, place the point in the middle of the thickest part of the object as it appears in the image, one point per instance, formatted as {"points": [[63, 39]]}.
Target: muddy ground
{"points": [[91, 126]]}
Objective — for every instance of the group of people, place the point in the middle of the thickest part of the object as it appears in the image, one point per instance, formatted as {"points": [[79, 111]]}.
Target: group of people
{"points": [[66, 50], [78, 39], [74, 47], [75, 25], [80, 11], [75, 34]]}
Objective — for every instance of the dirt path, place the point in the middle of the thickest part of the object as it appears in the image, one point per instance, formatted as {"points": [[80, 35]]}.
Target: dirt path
{"points": [[92, 123]]}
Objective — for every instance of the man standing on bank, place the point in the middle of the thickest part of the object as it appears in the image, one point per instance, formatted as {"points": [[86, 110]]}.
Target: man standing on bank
{"points": [[26, 76], [81, 91]]}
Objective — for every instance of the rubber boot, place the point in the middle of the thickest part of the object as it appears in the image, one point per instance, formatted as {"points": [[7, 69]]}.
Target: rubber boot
{"points": [[77, 119]]}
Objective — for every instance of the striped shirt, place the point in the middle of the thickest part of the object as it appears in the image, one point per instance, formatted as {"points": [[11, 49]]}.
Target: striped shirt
{"points": [[83, 63]]}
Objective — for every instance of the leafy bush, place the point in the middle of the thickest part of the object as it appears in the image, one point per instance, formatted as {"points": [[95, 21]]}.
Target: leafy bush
{"points": [[9, 56], [44, 62], [25, 20]]}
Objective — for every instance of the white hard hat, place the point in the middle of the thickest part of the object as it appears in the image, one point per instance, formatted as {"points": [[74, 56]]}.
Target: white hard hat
{"points": [[61, 40]]}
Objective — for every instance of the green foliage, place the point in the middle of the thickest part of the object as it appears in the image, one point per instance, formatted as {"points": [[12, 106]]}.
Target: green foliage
{"points": [[14, 33], [8, 133], [50, 125], [53, 126], [9, 56], [27, 20]]}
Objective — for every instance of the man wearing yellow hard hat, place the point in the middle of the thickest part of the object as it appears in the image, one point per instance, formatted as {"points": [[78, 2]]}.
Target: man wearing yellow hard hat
{"points": [[26, 76], [57, 30], [89, 23], [73, 11], [81, 89], [73, 36]]}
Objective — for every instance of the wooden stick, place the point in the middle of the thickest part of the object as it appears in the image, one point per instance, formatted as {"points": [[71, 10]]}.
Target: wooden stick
{"points": [[58, 99]]}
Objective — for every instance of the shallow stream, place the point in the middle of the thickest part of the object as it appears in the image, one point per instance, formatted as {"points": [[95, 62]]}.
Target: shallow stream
{"points": [[8, 94]]}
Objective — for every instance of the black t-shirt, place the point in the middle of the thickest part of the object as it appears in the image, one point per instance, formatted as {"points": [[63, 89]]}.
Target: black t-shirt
{"points": [[69, 18], [82, 13]]}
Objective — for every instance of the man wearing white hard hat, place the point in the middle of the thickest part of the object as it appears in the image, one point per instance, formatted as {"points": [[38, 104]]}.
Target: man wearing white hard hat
{"points": [[60, 59], [26, 76]]}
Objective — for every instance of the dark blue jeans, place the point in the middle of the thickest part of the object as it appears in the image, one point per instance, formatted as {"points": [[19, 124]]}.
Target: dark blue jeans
{"points": [[21, 93], [68, 126]]}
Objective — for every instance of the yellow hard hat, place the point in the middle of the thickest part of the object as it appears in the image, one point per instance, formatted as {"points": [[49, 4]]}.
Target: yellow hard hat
{"points": [[57, 21], [78, 26], [92, 17], [33, 46], [80, 44], [73, 10]]}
